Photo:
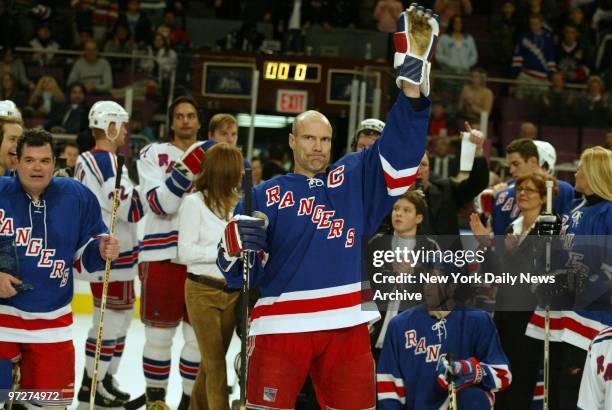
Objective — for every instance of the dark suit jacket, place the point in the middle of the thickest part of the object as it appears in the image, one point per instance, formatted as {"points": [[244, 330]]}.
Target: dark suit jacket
{"points": [[445, 198], [74, 123]]}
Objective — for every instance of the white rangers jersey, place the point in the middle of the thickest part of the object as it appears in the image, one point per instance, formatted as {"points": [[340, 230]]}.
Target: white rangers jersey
{"points": [[96, 169], [163, 198], [596, 385]]}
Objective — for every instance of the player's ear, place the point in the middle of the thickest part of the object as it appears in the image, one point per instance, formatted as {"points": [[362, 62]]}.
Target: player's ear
{"points": [[419, 219], [292, 141]]}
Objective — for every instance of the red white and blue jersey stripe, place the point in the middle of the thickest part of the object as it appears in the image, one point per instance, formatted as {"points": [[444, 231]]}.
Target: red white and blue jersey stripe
{"points": [[49, 236], [586, 236], [163, 199], [311, 279], [416, 343], [96, 169]]}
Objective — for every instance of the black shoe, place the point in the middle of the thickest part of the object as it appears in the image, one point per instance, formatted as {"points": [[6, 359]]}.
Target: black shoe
{"points": [[156, 393], [156, 397], [100, 400], [109, 385], [184, 404]]}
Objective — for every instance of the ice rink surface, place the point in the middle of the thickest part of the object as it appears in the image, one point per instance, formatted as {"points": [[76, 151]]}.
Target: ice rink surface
{"points": [[130, 375]]}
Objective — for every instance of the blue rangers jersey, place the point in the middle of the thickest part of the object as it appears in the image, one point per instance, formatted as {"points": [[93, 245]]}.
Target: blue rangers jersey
{"points": [[534, 55], [49, 235], [588, 252], [311, 277], [506, 210], [96, 169], [417, 342]]}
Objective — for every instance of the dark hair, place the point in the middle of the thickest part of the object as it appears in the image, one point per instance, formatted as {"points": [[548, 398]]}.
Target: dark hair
{"points": [[69, 144], [183, 99], [77, 84], [451, 24], [525, 147], [416, 199], [34, 138]]}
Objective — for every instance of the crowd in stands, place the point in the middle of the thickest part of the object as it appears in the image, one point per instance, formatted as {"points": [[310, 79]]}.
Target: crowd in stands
{"points": [[559, 51]]}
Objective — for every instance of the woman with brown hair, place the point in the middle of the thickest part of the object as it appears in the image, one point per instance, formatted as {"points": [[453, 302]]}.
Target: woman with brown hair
{"points": [[210, 303], [515, 303]]}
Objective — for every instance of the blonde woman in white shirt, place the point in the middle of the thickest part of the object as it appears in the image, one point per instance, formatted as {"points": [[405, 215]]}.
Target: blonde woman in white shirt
{"points": [[202, 219]]}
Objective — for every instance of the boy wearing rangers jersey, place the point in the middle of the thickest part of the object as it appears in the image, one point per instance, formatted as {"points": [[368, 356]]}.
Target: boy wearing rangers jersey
{"points": [[309, 319], [165, 176], [50, 223], [97, 169], [415, 364], [596, 385]]}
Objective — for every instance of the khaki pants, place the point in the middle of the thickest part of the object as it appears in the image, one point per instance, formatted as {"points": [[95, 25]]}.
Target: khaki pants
{"points": [[213, 319]]}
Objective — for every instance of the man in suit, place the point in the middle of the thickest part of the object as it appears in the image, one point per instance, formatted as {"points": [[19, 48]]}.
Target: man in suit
{"points": [[70, 118]]}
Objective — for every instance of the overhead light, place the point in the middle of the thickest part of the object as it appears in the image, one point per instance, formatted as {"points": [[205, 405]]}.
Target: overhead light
{"points": [[264, 121]]}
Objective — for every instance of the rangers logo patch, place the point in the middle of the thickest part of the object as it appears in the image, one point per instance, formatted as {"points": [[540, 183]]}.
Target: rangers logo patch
{"points": [[501, 198], [269, 394], [315, 182]]}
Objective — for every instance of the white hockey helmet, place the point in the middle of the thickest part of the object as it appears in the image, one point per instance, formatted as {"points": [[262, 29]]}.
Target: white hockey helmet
{"points": [[372, 124], [547, 155], [9, 109], [103, 113]]}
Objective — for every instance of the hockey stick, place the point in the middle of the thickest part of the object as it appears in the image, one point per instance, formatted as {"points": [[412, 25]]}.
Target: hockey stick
{"points": [[248, 210], [94, 376], [452, 388], [549, 188]]}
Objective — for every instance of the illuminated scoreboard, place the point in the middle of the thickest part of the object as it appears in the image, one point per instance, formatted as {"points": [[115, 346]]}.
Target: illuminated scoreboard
{"points": [[292, 71]]}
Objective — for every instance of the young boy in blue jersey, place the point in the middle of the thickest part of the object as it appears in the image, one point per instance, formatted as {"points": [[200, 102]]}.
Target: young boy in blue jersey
{"points": [[435, 343], [309, 319], [52, 223]]}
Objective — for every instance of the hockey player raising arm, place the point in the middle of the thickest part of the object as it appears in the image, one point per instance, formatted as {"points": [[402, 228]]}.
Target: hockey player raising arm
{"points": [[52, 223], [309, 318]]}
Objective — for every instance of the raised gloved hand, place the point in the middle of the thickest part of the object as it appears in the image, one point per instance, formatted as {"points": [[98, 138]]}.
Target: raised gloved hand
{"points": [[415, 44], [548, 225], [190, 164], [245, 233], [462, 372], [560, 294]]}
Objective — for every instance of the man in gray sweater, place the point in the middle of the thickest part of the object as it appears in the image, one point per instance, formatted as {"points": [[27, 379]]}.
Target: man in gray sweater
{"points": [[91, 70]]}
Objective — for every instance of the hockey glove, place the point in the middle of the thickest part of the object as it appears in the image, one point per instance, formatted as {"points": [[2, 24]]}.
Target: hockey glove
{"points": [[190, 164], [415, 44], [548, 225], [245, 233], [462, 372], [483, 203]]}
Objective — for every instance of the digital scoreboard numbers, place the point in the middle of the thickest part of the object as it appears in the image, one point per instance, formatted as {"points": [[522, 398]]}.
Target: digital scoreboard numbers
{"points": [[291, 71]]}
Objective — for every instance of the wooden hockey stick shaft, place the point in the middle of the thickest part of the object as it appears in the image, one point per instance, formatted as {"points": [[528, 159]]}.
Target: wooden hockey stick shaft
{"points": [[549, 189], [244, 368], [106, 278]]}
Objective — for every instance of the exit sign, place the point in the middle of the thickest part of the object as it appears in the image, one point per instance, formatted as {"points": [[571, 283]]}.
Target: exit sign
{"points": [[291, 101]]}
